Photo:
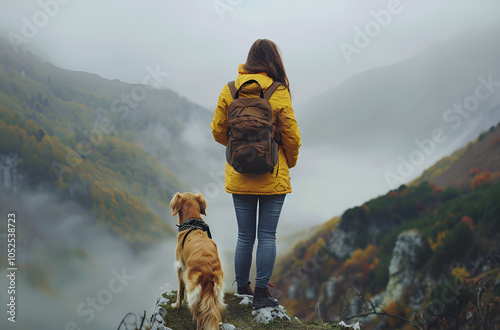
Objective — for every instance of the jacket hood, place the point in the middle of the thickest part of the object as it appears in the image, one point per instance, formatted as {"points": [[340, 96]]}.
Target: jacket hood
{"points": [[262, 78]]}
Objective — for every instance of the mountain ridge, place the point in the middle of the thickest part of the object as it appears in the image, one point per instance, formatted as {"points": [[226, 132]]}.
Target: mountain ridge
{"points": [[469, 161], [90, 174], [102, 142], [439, 236], [405, 97]]}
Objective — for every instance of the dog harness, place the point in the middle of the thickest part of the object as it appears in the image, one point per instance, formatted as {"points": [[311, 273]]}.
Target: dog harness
{"points": [[193, 224]]}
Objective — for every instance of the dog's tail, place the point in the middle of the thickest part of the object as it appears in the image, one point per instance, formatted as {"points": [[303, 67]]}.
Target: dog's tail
{"points": [[206, 304]]}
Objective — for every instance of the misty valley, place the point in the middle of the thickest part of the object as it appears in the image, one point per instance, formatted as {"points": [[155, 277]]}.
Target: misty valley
{"points": [[88, 165]]}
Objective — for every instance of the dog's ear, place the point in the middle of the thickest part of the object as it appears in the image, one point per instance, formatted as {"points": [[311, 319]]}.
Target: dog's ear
{"points": [[175, 203], [203, 203]]}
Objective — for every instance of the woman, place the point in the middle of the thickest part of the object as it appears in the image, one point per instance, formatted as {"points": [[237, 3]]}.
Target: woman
{"points": [[267, 191]]}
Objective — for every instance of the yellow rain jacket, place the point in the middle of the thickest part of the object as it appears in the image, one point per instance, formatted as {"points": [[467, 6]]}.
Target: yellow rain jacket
{"points": [[274, 183]]}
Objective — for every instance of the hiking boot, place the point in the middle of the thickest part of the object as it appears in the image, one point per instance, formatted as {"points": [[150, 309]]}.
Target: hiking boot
{"points": [[245, 289], [263, 298]]}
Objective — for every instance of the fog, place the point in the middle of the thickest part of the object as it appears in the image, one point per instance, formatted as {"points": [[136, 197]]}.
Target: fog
{"points": [[203, 43], [73, 261]]}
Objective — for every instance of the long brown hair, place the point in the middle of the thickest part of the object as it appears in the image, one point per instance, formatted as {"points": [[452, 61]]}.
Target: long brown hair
{"points": [[264, 56]]}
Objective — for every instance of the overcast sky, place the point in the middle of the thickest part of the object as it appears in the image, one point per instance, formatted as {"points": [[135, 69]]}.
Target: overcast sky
{"points": [[200, 43]]}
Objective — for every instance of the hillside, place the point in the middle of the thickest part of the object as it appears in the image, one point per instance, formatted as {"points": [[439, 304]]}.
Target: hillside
{"points": [[89, 166], [115, 148], [399, 253], [475, 160], [409, 99]]}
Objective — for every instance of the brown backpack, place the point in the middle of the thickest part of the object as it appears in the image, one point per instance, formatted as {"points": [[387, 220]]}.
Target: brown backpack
{"points": [[252, 147]]}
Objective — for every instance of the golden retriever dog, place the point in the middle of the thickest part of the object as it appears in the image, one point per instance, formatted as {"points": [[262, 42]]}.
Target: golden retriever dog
{"points": [[199, 270]]}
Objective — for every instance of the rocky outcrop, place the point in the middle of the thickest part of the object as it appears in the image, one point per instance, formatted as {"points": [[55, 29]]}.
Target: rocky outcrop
{"points": [[255, 317], [340, 243], [9, 174], [403, 284], [269, 314], [157, 318], [403, 266]]}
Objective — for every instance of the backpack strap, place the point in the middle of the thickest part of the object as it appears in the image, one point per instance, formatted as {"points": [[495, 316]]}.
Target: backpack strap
{"points": [[267, 95], [232, 87], [269, 92]]}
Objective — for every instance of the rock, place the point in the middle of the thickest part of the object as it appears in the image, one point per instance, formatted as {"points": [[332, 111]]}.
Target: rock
{"points": [[402, 268], [157, 318], [9, 174], [339, 243], [268, 314], [235, 315], [355, 326], [356, 304], [327, 290], [245, 299], [311, 292], [330, 287], [294, 290]]}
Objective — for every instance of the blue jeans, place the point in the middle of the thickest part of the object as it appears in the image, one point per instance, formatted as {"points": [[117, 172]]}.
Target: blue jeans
{"points": [[269, 211]]}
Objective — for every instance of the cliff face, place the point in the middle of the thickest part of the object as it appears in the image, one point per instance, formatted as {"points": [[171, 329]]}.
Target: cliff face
{"points": [[340, 243], [9, 173], [403, 278], [401, 253], [403, 268]]}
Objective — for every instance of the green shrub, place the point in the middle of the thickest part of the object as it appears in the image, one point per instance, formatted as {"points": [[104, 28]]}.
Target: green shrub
{"points": [[450, 193], [454, 246]]}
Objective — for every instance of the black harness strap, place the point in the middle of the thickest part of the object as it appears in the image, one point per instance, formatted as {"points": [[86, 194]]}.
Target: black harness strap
{"points": [[191, 225]]}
